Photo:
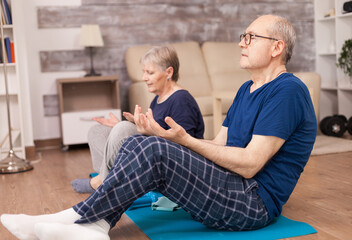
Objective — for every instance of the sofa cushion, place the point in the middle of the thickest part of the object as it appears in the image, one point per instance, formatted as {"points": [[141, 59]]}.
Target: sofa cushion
{"points": [[222, 60], [138, 94], [132, 57], [206, 104], [193, 73]]}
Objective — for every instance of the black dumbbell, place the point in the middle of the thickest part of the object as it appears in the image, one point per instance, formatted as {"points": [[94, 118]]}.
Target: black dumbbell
{"points": [[333, 126], [343, 117], [323, 123], [349, 126]]}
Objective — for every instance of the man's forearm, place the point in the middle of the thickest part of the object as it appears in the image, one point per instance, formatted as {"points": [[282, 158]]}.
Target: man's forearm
{"points": [[246, 161], [233, 159]]}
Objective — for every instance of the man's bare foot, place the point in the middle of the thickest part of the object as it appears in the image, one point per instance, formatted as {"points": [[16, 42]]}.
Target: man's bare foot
{"points": [[95, 182]]}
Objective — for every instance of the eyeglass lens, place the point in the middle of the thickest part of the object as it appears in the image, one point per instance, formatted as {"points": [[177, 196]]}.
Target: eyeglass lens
{"points": [[247, 38]]}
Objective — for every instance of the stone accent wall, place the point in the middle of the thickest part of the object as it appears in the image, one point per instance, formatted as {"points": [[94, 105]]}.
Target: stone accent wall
{"points": [[126, 23]]}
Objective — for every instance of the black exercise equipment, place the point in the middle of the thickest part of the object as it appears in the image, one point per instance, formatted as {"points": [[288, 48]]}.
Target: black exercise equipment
{"points": [[349, 126], [322, 125], [343, 117], [347, 6], [333, 125]]}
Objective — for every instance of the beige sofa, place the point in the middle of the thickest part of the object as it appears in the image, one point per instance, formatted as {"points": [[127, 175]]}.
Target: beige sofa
{"points": [[205, 71]]}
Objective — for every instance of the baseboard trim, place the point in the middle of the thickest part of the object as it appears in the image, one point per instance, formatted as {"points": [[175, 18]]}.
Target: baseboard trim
{"points": [[30, 151], [48, 143]]}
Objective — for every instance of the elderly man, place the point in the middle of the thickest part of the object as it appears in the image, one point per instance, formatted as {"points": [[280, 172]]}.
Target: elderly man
{"points": [[238, 181]]}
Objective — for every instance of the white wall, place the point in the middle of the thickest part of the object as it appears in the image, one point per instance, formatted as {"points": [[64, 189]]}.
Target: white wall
{"points": [[38, 84]]}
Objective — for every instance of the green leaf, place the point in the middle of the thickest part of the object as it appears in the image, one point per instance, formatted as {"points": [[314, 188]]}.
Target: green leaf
{"points": [[345, 60]]}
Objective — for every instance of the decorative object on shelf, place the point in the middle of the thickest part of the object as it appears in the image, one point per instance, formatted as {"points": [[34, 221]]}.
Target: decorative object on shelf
{"points": [[91, 37], [347, 7], [12, 163], [335, 125], [330, 13], [6, 12], [345, 59]]}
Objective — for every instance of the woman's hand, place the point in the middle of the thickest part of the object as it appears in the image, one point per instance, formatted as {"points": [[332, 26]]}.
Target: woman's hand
{"points": [[128, 116], [141, 122], [110, 122]]}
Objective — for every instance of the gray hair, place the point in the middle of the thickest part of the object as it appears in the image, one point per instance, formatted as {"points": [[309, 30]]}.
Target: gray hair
{"points": [[163, 57], [283, 29]]}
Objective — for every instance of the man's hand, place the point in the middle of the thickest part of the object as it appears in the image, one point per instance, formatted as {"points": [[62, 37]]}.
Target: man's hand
{"points": [[176, 133], [110, 122], [147, 125]]}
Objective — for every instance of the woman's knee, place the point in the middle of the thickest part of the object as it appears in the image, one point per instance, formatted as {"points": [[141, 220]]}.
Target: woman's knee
{"points": [[123, 130], [97, 132]]}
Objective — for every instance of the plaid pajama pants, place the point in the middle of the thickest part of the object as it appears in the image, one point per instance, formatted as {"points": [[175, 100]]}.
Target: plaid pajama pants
{"points": [[212, 195]]}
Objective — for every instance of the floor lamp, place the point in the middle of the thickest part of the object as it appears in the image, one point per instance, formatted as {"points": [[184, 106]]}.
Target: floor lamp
{"points": [[91, 37], [12, 163]]}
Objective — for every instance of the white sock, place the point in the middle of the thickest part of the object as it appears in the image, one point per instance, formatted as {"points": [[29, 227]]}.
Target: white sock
{"points": [[22, 226], [57, 231]]}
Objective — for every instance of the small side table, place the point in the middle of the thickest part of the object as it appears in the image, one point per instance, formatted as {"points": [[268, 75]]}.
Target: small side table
{"points": [[80, 99], [217, 107]]}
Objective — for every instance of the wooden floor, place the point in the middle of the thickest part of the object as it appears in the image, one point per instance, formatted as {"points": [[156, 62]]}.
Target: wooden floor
{"points": [[322, 198]]}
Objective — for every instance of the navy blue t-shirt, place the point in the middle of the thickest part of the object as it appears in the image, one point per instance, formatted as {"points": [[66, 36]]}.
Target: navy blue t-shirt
{"points": [[183, 109], [281, 108]]}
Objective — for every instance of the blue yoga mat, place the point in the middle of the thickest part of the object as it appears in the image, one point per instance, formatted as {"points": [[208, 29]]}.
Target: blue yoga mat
{"points": [[180, 225]]}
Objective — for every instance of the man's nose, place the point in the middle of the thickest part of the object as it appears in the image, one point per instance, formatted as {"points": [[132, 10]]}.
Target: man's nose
{"points": [[242, 44]]}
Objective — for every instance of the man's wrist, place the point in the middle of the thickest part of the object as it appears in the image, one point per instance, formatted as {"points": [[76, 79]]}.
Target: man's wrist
{"points": [[188, 140]]}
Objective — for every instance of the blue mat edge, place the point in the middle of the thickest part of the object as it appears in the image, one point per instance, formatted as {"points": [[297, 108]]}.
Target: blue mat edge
{"points": [[305, 228]]}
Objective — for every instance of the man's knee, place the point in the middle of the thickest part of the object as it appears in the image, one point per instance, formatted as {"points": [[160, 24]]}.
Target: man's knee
{"points": [[132, 142], [155, 146], [147, 147]]}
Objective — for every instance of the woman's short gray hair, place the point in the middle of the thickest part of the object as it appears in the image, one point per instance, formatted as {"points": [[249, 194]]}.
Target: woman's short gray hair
{"points": [[164, 57], [283, 29]]}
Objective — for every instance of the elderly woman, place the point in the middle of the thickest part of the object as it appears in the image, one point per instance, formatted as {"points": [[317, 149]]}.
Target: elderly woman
{"points": [[160, 72]]}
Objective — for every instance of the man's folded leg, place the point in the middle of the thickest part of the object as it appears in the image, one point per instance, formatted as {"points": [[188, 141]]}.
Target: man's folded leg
{"points": [[212, 195]]}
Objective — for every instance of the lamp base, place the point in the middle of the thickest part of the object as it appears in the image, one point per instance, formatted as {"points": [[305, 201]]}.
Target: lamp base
{"points": [[92, 74], [14, 164]]}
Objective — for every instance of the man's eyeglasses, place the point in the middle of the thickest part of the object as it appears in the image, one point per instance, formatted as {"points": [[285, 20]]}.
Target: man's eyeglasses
{"points": [[248, 37]]}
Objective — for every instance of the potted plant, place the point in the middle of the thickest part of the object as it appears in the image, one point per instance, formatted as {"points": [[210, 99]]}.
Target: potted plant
{"points": [[345, 59]]}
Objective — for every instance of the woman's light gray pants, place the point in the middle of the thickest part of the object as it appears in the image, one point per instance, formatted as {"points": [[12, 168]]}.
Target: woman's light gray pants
{"points": [[104, 143]]}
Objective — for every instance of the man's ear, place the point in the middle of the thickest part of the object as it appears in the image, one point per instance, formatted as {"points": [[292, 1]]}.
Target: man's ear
{"points": [[278, 48]]}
